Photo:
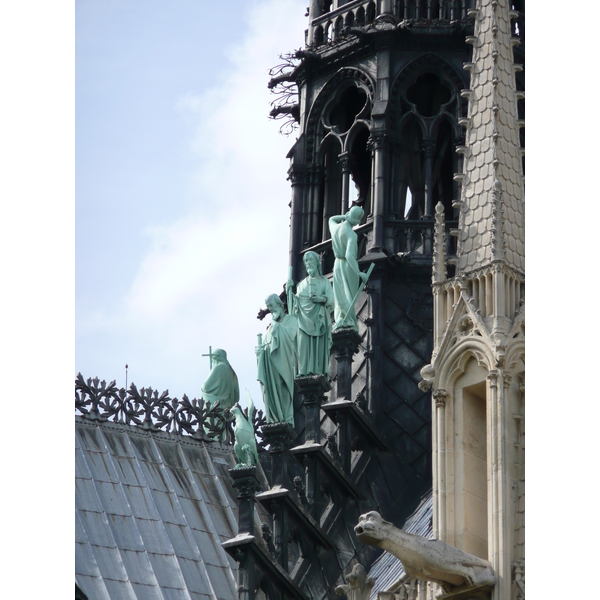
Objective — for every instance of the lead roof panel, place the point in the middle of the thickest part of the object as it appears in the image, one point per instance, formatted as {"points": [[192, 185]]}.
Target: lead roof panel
{"points": [[151, 512]]}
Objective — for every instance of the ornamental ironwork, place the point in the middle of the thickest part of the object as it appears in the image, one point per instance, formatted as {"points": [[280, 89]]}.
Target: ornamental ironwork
{"points": [[147, 408]]}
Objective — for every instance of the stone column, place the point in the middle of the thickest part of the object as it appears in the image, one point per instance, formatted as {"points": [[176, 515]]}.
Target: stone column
{"points": [[314, 11], [439, 463], [297, 177], [279, 437], [315, 215], [345, 345], [313, 389], [377, 142], [345, 162], [429, 147], [499, 546], [245, 482]]}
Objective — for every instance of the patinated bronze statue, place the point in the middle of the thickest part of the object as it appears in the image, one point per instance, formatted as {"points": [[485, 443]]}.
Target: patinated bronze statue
{"points": [[276, 363], [347, 276], [222, 382], [312, 305]]}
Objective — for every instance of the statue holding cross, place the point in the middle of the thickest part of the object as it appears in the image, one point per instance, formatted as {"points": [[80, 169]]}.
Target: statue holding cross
{"points": [[222, 382]]}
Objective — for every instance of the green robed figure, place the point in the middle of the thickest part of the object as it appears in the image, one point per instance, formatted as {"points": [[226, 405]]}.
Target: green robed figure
{"points": [[312, 305], [346, 273], [222, 382], [276, 363]]}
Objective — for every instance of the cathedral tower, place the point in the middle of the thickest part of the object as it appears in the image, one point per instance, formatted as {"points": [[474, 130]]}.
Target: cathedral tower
{"points": [[380, 112]]}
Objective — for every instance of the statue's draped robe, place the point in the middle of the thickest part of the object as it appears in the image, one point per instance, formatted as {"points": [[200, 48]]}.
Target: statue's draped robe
{"points": [[222, 384], [243, 432], [346, 280], [314, 325], [276, 369]]}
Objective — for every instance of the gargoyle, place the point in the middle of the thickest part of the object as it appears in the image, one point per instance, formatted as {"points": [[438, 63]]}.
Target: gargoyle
{"points": [[423, 558]]}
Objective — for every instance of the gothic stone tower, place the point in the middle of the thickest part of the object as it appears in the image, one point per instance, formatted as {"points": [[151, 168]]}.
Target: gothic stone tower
{"points": [[381, 110]]}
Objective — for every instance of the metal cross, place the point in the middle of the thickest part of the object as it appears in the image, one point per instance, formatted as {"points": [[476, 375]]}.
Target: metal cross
{"points": [[210, 355]]}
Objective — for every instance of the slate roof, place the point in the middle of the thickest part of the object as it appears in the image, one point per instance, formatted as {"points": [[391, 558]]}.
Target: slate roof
{"points": [[387, 569], [151, 512]]}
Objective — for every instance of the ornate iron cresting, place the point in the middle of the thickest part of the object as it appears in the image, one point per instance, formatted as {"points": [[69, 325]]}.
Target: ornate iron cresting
{"points": [[283, 85], [146, 408]]}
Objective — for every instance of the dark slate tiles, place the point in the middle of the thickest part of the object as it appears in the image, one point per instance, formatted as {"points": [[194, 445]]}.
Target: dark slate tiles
{"points": [[152, 510]]}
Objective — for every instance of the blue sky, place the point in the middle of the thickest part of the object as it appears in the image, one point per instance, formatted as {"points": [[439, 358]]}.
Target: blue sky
{"points": [[181, 193]]}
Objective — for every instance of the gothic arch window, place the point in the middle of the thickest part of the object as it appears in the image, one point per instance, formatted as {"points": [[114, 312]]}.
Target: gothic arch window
{"points": [[337, 141], [330, 188], [371, 12], [408, 198], [425, 109], [360, 16], [319, 39], [349, 21], [360, 166], [339, 25], [444, 167]]}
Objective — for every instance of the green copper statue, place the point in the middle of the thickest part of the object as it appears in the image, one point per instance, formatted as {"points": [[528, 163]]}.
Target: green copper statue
{"points": [[347, 277], [312, 305], [222, 383], [245, 440], [276, 363]]}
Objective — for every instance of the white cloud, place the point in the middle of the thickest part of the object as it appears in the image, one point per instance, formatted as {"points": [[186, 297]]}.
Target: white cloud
{"points": [[206, 274]]}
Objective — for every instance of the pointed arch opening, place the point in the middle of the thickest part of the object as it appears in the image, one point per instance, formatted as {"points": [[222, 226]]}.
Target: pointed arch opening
{"points": [[330, 189]]}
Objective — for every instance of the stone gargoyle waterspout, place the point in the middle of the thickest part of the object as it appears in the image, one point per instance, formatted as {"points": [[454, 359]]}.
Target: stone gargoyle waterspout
{"points": [[423, 558]]}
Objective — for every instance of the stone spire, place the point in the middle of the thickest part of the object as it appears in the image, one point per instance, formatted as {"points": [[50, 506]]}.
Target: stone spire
{"points": [[492, 217]]}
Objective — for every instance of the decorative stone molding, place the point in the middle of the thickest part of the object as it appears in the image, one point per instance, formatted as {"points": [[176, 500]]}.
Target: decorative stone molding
{"points": [[518, 587], [440, 396]]}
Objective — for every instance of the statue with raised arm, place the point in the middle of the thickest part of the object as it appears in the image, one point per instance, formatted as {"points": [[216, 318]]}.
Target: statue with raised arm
{"points": [[222, 382], [276, 357], [347, 276], [312, 305]]}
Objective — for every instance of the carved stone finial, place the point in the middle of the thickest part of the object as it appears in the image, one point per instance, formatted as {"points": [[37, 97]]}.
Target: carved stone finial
{"points": [[358, 584]]}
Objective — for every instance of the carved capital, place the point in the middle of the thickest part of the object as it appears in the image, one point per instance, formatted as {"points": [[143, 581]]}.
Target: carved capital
{"points": [[440, 396], [344, 159], [429, 148], [493, 379], [297, 175], [376, 141]]}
